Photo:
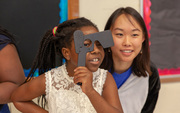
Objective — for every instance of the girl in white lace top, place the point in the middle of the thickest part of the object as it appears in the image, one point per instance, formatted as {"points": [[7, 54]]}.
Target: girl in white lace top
{"points": [[98, 92]]}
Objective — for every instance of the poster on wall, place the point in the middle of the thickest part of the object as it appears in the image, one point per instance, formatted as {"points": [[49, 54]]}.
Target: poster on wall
{"points": [[28, 21], [162, 21]]}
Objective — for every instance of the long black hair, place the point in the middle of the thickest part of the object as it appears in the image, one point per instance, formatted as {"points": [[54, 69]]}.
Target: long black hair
{"points": [[51, 45], [141, 63]]}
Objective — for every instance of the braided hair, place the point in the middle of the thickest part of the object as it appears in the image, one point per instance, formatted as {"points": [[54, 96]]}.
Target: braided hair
{"points": [[51, 45]]}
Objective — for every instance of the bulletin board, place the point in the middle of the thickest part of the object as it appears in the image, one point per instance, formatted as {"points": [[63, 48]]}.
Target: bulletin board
{"points": [[29, 20], [162, 21]]}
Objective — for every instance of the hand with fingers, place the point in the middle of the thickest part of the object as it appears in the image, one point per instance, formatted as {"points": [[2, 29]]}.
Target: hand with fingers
{"points": [[84, 76]]}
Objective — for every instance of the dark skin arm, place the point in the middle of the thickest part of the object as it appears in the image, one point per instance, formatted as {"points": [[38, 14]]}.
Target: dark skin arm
{"points": [[11, 72], [109, 101], [22, 97]]}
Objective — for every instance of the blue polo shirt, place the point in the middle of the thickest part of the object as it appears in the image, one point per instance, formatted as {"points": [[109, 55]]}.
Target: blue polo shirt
{"points": [[121, 78]]}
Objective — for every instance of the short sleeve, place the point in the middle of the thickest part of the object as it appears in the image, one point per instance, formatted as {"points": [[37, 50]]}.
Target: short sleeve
{"points": [[47, 82], [104, 76], [4, 41], [99, 78]]}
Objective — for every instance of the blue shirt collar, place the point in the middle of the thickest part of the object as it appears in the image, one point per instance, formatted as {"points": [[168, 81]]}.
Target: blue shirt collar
{"points": [[121, 78]]}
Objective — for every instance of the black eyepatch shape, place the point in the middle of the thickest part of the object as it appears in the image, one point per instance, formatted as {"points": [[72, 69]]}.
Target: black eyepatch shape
{"points": [[105, 39]]}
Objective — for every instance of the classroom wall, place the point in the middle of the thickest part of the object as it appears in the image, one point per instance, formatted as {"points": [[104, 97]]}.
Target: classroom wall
{"points": [[169, 98], [98, 11]]}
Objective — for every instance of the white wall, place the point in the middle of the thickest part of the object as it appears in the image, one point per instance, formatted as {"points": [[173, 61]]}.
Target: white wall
{"points": [[169, 98], [98, 11]]}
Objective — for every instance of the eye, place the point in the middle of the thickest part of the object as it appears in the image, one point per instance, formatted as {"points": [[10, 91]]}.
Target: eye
{"points": [[135, 35], [119, 34], [87, 43]]}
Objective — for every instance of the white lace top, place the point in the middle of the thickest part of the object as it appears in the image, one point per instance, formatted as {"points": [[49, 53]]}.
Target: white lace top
{"points": [[63, 96]]}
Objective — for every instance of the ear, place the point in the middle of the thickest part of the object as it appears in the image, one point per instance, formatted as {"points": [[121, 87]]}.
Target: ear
{"points": [[143, 39], [66, 53]]}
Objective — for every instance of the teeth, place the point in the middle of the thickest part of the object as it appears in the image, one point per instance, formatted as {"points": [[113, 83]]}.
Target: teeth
{"points": [[95, 60], [127, 51]]}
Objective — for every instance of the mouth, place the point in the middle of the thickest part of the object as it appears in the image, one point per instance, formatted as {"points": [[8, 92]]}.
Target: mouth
{"points": [[95, 60], [127, 51]]}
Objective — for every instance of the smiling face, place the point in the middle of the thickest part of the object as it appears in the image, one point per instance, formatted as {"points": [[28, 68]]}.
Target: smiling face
{"points": [[128, 38], [93, 58]]}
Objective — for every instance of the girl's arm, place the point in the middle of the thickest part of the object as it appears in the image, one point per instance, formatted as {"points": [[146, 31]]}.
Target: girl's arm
{"points": [[22, 96], [109, 101], [11, 72]]}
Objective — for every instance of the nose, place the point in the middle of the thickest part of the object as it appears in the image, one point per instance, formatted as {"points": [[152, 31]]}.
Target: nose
{"points": [[96, 49], [127, 41]]}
